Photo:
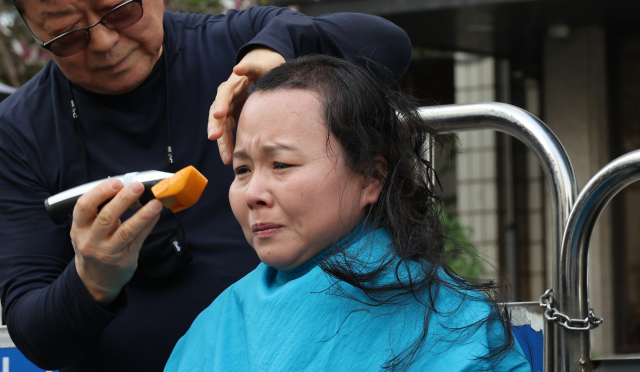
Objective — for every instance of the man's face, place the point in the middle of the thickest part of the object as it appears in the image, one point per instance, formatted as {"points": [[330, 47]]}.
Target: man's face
{"points": [[115, 62]]}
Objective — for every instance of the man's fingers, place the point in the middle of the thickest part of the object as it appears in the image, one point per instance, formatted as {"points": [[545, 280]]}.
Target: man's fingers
{"points": [[225, 142], [214, 129], [243, 68], [87, 206], [228, 92], [253, 69], [258, 62], [109, 216], [138, 226], [222, 107], [224, 95], [236, 105], [144, 233]]}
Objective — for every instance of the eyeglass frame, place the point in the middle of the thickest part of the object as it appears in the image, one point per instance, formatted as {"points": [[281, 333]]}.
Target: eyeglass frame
{"points": [[47, 45]]}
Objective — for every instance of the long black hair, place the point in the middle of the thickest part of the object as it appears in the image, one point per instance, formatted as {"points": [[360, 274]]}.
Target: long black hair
{"points": [[370, 121]]}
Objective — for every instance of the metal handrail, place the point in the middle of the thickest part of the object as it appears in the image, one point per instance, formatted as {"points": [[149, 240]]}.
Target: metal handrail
{"points": [[572, 292], [544, 144]]}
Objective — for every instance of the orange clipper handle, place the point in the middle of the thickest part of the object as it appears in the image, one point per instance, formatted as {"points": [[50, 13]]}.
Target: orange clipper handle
{"points": [[181, 190]]}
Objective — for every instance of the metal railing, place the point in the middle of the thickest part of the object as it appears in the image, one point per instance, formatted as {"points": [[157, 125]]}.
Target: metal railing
{"points": [[572, 291], [544, 144]]}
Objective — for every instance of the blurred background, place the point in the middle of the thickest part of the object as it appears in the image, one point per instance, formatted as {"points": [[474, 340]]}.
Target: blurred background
{"points": [[574, 64]]}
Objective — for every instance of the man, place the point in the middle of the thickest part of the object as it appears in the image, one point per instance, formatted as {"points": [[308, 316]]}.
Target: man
{"points": [[130, 91]]}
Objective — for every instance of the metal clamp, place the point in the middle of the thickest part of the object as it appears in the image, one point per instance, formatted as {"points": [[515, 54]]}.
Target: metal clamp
{"points": [[551, 313]]}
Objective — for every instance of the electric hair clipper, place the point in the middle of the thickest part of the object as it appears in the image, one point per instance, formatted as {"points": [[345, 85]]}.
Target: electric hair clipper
{"points": [[176, 191]]}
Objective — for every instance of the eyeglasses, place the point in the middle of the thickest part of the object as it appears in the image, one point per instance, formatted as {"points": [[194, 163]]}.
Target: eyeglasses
{"points": [[75, 41]]}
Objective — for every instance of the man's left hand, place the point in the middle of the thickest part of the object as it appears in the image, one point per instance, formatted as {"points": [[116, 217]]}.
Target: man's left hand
{"points": [[232, 94]]}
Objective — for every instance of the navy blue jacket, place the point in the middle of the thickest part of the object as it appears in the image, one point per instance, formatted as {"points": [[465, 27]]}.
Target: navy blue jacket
{"points": [[51, 316]]}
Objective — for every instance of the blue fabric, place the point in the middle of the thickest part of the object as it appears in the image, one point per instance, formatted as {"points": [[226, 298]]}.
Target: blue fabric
{"points": [[51, 317], [532, 344], [305, 320]]}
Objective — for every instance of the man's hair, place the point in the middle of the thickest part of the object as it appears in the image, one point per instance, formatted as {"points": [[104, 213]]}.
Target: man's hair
{"points": [[369, 120]]}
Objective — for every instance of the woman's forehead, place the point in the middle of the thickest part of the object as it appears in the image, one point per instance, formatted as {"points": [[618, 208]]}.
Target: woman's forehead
{"points": [[281, 111], [282, 118]]}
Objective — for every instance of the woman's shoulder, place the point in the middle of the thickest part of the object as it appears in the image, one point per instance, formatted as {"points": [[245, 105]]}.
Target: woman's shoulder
{"points": [[224, 312], [235, 294], [464, 325]]}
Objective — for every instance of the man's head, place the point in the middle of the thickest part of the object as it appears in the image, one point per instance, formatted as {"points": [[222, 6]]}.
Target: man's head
{"points": [[114, 62]]}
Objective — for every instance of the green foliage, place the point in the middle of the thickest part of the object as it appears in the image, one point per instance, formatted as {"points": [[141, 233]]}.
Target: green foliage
{"points": [[466, 262], [20, 56]]}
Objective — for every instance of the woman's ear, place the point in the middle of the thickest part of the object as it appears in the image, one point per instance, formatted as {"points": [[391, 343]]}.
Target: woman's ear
{"points": [[374, 182]]}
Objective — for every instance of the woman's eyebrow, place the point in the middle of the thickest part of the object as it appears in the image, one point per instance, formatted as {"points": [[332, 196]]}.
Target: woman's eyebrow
{"points": [[276, 148], [239, 155], [266, 150]]}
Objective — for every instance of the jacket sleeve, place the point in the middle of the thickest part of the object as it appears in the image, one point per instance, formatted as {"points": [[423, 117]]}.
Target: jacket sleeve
{"points": [[50, 315], [365, 39]]}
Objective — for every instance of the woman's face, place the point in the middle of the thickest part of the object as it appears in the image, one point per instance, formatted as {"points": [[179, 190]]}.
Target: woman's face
{"points": [[293, 193]]}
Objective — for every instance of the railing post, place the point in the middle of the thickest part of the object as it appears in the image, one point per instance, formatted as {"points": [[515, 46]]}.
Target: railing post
{"points": [[572, 292], [544, 144]]}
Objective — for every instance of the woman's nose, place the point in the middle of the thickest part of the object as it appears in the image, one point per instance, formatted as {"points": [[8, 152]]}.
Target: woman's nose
{"points": [[258, 194]]}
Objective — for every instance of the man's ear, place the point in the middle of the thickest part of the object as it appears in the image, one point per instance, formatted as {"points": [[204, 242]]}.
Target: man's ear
{"points": [[373, 183]]}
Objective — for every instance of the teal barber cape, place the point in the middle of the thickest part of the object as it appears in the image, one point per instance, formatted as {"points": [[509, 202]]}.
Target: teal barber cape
{"points": [[305, 320]]}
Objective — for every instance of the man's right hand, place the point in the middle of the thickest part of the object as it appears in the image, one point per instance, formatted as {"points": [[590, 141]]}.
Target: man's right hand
{"points": [[106, 250]]}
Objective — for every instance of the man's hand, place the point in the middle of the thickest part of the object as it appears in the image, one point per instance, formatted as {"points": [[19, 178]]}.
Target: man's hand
{"points": [[106, 249], [232, 94]]}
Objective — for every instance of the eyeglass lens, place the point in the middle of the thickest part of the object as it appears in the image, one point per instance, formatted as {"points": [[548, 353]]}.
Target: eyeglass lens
{"points": [[117, 19]]}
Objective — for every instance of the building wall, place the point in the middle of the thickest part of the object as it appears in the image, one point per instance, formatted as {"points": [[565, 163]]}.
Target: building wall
{"points": [[476, 183], [575, 108], [482, 182], [626, 243]]}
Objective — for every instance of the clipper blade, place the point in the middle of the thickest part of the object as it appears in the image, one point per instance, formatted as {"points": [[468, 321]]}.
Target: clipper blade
{"points": [[181, 190]]}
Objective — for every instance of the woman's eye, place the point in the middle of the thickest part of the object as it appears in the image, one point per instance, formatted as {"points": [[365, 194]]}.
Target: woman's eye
{"points": [[278, 165], [241, 170]]}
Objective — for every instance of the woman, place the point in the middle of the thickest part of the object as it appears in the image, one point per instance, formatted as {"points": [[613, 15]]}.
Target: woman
{"points": [[336, 200]]}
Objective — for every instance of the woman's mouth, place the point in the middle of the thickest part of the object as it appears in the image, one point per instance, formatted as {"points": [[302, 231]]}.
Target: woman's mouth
{"points": [[265, 230]]}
